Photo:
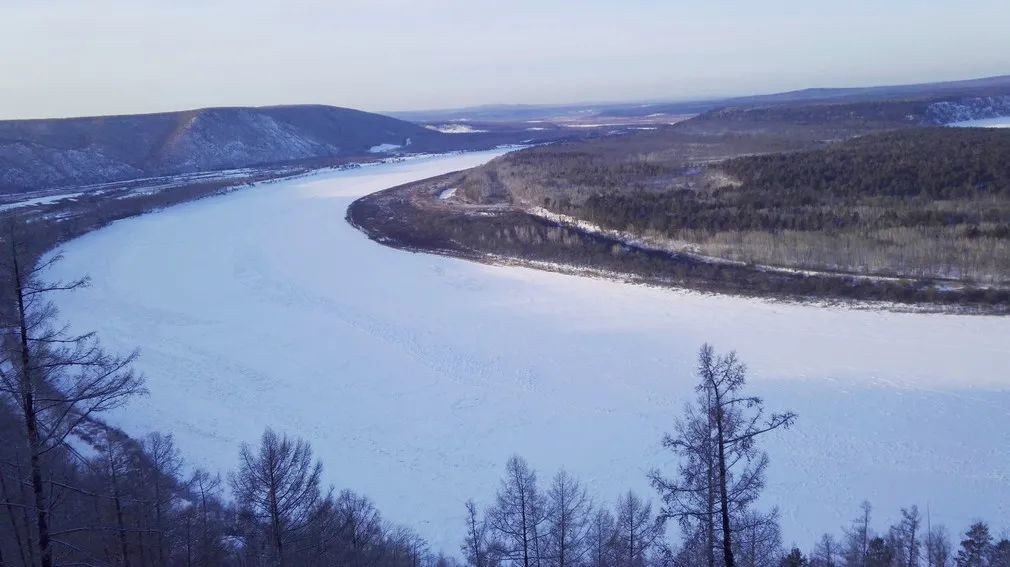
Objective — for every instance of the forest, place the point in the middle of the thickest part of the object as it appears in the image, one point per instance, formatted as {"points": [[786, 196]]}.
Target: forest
{"points": [[77, 491], [411, 218], [925, 203]]}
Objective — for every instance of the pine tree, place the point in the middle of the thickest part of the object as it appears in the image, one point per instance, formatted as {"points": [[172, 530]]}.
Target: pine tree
{"points": [[975, 546]]}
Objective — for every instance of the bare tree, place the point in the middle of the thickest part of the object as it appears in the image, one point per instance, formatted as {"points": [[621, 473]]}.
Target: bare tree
{"points": [[570, 509], [361, 531], [476, 546], [858, 538], [759, 538], [826, 553], [906, 538], [601, 540], [278, 484], [716, 442], [164, 465], [939, 549], [636, 530], [691, 499], [55, 379], [519, 515], [204, 521]]}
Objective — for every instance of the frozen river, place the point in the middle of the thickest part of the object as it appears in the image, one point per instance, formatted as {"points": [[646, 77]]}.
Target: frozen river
{"points": [[416, 376]]}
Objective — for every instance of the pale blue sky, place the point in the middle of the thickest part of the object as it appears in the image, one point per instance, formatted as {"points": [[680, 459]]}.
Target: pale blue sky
{"points": [[75, 57]]}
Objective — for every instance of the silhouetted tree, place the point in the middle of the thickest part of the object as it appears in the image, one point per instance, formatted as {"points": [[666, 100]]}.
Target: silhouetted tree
{"points": [[520, 515], [716, 442], [56, 380], [278, 485], [975, 546]]}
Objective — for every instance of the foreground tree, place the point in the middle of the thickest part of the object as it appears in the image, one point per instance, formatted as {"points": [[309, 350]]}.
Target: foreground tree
{"points": [[56, 380], [826, 552], [277, 484], [721, 470], [794, 558], [601, 540], [975, 547], [568, 521], [938, 547], [906, 538], [477, 544], [519, 517], [857, 538], [636, 530]]}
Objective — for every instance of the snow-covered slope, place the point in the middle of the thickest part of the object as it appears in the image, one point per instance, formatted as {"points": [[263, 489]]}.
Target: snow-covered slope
{"points": [[416, 376], [966, 109], [48, 153]]}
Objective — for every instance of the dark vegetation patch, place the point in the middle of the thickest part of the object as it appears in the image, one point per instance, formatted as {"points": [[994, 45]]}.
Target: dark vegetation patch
{"points": [[406, 217]]}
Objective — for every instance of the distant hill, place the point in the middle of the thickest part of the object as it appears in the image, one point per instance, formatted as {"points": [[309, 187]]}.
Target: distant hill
{"points": [[922, 93], [986, 87], [71, 151]]}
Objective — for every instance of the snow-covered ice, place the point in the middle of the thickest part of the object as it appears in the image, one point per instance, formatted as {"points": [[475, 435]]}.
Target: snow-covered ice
{"points": [[416, 376], [999, 122]]}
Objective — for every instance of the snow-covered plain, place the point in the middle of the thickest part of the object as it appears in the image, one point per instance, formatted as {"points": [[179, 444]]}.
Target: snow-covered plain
{"points": [[416, 376]]}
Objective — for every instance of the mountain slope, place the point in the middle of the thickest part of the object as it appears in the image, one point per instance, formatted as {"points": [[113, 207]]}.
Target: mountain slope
{"points": [[49, 153]]}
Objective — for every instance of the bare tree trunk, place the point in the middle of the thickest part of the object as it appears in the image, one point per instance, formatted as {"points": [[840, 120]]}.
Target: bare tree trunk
{"points": [[14, 525], [31, 422], [124, 548], [157, 519], [710, 511], [30, 541], [727, 543], [275, 521]]}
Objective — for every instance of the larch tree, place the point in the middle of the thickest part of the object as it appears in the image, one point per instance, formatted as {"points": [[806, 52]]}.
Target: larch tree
{"points": [[907, 539], [826, 553], [56, 380], [721, 471], [858, 537], [278, 484], [520, 515], [601, 540], [938, 547], [163, 465], [477, 546], [569, 519], [636, 530], [759, 538]]}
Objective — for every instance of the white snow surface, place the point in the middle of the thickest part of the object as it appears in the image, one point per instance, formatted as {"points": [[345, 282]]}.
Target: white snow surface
{"points": [[383, 148], [416, 376], [38, 201], [454, 128], [999, 122]]}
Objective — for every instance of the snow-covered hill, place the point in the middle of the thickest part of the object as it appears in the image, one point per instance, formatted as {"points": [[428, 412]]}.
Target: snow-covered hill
{"points": [[50, 153], [965, 109], [416, 376]]}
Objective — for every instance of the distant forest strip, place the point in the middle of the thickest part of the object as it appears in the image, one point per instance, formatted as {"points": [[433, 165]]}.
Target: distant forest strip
{"points": [[411, 217], [922, 203]]}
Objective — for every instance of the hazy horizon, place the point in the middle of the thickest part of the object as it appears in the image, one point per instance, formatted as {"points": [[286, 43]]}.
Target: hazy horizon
{"points": [[118, 57]]}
